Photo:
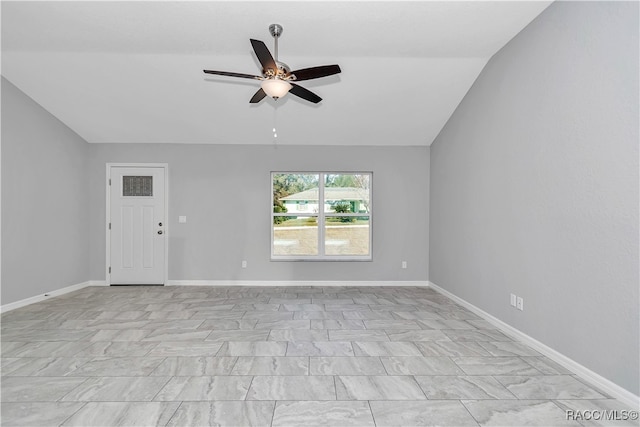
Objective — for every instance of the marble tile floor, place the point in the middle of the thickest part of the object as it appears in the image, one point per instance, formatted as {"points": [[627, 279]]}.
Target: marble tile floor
{"points": [[274, 356]]}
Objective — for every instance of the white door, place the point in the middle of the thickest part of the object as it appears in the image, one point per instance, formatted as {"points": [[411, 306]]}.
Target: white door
{"points": [[137, 233]]}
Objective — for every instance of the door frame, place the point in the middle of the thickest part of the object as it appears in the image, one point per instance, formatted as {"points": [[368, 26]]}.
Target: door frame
{"points": [[167, 228]]}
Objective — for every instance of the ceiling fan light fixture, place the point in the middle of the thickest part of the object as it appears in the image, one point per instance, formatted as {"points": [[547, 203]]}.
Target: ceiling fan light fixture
{"points": [[275, 88]]}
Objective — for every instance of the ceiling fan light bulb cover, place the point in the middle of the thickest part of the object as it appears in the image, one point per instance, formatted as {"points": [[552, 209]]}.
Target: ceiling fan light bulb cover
{"points": [[275, 88]]}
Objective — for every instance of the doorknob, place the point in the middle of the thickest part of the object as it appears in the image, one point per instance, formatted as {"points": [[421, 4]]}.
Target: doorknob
{"points": [[159, 231], [159, 224]]}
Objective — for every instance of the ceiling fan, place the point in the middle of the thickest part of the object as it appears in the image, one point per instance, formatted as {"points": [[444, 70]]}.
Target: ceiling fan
{"points": [[277, 78]]}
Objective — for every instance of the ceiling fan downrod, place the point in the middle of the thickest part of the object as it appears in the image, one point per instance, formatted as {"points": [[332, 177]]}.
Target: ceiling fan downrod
{"points": [[276, 31], [283, 70]]}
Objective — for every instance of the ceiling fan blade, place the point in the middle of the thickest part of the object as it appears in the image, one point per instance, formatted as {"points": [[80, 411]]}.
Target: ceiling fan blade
{"points": [[257, 97], [264, 56], [316, 72], [304, 93], [229, 74]]}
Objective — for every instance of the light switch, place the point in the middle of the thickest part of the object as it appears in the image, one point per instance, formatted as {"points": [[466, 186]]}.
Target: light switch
{"points": [[182, 219]]}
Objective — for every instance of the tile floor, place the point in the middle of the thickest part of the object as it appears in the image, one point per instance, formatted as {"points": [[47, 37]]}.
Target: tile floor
{"points": [[279, 356]]}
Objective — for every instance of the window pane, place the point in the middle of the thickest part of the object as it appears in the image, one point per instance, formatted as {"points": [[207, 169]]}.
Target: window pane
{"points": [[296, 236], [347, 236], [137, 186], [347, 193], [294, 193], [310, 205]]}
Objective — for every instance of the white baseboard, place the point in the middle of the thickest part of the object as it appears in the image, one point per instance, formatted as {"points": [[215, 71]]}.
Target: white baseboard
{"points": [[32, 300], [98, 283], [609, 387], [285, 283]]}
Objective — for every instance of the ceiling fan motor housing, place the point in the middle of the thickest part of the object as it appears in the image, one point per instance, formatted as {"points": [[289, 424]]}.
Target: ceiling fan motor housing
{"points": [[283, 69]]}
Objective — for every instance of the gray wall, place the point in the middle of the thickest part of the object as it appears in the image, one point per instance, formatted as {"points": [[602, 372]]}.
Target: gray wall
{"points": [[45, 211], [53, 201], [534, 187], [225, 192]]}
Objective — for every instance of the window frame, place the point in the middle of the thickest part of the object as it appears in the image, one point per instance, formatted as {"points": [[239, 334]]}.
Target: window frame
{"points": [[321, 216]]}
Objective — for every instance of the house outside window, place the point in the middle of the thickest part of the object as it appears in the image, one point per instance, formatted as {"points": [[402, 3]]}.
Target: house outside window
{"points": [[321, 216]]}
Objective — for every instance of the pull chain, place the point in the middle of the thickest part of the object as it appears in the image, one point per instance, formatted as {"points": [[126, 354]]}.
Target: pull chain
{"points": [[275, 124]]}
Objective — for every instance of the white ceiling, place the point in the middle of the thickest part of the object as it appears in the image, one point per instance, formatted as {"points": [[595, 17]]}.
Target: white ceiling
{"points": [[130, 72]]}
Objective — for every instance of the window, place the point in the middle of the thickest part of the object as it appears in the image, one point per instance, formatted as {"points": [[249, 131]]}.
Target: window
{"points": [[321, 216], [137, 186]]}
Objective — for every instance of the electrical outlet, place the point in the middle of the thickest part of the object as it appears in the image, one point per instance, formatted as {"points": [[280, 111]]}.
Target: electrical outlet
{"points": [[513, 300], [520, 304], [404, 264], [244, 264]]}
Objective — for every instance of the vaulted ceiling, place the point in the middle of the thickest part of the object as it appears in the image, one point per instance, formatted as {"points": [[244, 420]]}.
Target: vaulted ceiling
{"points": [[129, 72]]}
